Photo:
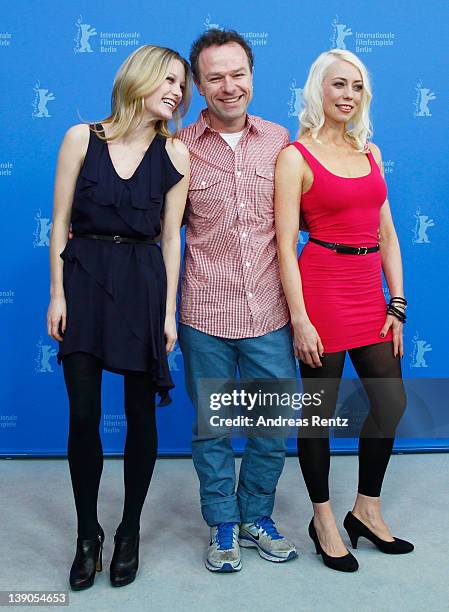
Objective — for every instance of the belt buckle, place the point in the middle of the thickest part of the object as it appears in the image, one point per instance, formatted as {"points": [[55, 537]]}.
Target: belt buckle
{"points": [[360, 253], [117, 239]]}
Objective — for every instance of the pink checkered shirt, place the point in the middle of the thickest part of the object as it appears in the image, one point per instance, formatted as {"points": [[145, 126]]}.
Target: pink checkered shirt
{"points": [[230, 284]]}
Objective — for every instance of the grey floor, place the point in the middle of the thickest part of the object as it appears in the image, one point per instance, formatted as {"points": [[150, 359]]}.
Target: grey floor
{"points": [[38, 542]]}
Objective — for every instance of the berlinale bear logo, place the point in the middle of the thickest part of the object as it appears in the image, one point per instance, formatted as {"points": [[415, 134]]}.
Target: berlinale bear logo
{"points": [[340, 32], [83, 34], [41, 98], [423, 97], [42, 230]]}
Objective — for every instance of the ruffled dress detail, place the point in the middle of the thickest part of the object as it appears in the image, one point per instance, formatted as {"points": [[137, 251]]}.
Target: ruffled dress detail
{"points": [[116, 293]]}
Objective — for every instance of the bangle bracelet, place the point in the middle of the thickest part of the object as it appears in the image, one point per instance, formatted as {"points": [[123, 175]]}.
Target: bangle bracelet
{"points": [[398, 300], [395, 312]]}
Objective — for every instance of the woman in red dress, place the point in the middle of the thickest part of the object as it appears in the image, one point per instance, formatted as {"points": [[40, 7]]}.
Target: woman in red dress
{"points": [[333, 177]]}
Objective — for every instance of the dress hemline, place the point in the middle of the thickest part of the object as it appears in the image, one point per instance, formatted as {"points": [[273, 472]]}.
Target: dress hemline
{"points": [[162, 390], [359, 344]]}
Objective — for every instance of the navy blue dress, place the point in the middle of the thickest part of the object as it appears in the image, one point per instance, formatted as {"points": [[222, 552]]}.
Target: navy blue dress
{"points": [[116, 293]]}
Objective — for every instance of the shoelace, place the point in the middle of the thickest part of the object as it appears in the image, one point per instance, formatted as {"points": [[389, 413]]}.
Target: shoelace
{"points": [[225, 536], [267, 524]]}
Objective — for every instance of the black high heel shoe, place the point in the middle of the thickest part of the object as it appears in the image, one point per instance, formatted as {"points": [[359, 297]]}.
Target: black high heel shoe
{"points": [[356, 528], [348, 563], [125, 560], [88, 560]]}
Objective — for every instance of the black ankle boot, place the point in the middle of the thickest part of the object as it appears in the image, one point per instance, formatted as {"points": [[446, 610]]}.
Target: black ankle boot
{"points": [[125, 559], [356, 528], [88, 560]]}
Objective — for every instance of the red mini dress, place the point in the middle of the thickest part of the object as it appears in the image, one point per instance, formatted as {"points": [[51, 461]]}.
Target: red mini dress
{"points": [[343, 293]]}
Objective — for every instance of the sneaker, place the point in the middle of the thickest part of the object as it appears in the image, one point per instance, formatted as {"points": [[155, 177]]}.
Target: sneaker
{"points": [[223, 553], [263, 535]]}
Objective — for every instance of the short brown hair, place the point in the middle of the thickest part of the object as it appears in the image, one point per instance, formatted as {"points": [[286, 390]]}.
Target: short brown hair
{"points": [[215, 37]]}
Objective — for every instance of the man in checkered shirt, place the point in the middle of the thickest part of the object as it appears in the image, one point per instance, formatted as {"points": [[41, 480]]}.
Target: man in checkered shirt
{"points": [[233, 314]]}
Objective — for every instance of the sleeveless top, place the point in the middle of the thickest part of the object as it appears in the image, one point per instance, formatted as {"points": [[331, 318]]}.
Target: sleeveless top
{"points": [[342, 209], [116, 293], [129, 207]]}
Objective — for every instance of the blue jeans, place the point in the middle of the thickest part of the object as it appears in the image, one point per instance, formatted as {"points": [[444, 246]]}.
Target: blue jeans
{"points": [[206, 356]]}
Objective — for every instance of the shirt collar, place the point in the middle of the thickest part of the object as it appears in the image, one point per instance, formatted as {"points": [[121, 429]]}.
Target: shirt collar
{"points": [[202, 124]]}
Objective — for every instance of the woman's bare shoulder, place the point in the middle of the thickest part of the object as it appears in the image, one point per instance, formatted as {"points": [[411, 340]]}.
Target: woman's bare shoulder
{"points": [[78, 133], [176, 148], [76, 138], [375, 150]]}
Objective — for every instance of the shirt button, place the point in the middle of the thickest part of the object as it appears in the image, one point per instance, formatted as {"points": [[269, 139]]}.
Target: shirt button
{"points": [[203, 183], [247, 264], [244, 235], [238, 173], [250, 295], [242, 205]]}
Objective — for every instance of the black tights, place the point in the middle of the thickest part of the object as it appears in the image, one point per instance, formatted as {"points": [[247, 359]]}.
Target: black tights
{"points": [[387, 404], [83, 373]]}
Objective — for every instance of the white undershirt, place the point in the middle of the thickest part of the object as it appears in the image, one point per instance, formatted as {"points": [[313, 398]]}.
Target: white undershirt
{"points": [[232, 139]]}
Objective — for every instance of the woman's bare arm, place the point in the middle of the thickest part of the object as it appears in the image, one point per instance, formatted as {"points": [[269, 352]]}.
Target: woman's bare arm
{"points": [[288, 186], [175, 201], [70, 159], [391, 263]]}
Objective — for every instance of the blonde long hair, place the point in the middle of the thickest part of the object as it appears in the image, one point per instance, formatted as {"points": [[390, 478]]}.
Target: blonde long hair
{"points": [[140, 74], [311, 119]]}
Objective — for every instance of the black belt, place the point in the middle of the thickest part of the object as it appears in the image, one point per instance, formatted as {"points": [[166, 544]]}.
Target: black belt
{"points": [[345, 248], [118, 239]]}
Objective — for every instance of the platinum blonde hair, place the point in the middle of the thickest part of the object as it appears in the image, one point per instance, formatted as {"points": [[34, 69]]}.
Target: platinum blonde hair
{"points": [[139, 76], [311, 119]]}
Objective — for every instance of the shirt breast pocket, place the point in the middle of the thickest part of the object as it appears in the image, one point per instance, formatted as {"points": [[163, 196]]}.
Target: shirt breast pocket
{"points": [[206, 197], [265, 191]]}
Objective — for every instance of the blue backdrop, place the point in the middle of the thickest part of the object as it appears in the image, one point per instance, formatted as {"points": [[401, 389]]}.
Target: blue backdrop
{"points": [[58, 61]]}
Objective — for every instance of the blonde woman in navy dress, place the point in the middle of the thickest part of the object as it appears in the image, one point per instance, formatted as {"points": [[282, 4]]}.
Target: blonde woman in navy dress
{"points": [[113, 289]]}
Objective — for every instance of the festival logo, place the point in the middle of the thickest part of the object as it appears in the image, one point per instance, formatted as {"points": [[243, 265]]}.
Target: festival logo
{"points": [[363, 42], [302, 237], [255, 39], [209, 25], [41, 98], [42, 231], [8, 421], [114, 423], [423, 97], [44, 353], [420, 348], [388, 165], [5, 39], [172, 364], [7, 297], [109, 41], [422, 224], [296, 103], [84, 32], [6, 168], [340, 32]]}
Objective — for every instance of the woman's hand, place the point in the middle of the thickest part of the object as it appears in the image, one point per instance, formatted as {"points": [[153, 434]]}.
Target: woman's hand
{"points": [[397, 331], [56, 315], [170, 333], [307, 344]]}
